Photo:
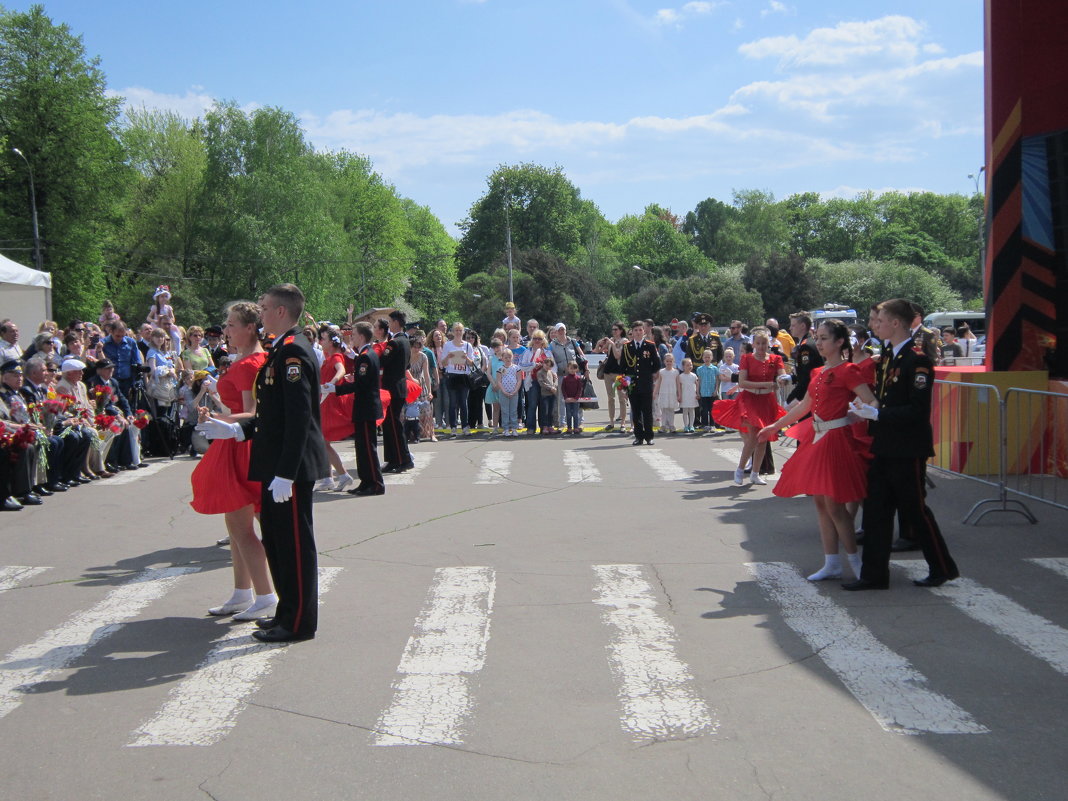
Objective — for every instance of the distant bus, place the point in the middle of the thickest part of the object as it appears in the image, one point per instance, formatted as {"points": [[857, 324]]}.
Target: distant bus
{"points": [[833, 311]]}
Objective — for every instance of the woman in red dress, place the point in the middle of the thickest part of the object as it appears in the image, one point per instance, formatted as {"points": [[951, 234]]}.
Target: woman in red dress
{"points": [[335, 412], [220, 480], [831, 462], [755, 406]]}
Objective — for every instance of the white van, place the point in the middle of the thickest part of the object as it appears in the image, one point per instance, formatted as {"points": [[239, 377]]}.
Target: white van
{"points": [[976, 321]]}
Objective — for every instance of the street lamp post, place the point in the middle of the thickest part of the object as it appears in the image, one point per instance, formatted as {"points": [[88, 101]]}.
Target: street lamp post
{"points": [[508, 238], [33, 211], [977, 177]]}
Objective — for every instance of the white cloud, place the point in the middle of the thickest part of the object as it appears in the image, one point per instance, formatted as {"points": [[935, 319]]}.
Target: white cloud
{"points": [[193, 104], [675, 16], [892, 39], [775, 7]]}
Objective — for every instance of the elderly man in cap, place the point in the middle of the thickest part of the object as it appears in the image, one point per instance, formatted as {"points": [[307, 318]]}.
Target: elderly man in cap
{"points": [[124, 453], [71, 384], [13, 411]]}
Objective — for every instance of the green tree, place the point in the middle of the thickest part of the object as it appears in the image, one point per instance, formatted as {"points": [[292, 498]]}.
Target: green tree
{"points": [[859, 284], [783, 283], [704, 224], [433, 280], [759, 228], [542, 207], [53, 107]]}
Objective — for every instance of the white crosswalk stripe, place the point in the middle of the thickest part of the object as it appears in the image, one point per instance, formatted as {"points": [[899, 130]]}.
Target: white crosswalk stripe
{"points": [[1058, 566], [656, 689], [884, 682], [432, 698], [130, 476], [33, 663], [13, 575], [663, 465], [422, 460], [1036, 635], [495, 467], [204, 706], [580, 468]]}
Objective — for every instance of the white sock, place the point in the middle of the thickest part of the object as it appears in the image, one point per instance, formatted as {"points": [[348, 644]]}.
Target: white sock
{"points": [[854, 562], [240, 597], [832, 568]]}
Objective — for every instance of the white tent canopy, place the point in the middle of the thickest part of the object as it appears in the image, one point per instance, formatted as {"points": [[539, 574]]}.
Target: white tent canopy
{"points": [[25, 297]]}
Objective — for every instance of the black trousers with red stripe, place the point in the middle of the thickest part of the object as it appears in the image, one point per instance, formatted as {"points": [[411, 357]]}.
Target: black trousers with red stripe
{"points": [[367, 467], [394, 443], [289, 542], [896, 485]]}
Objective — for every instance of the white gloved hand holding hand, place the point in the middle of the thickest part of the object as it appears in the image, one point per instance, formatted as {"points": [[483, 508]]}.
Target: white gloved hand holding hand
{"points": [[865, 410], [281, 489], [328, 389], [784, 378], [217, 429]]}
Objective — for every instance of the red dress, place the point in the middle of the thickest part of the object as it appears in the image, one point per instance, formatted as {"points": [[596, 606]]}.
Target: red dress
{"points": [[335, 413], [750, 410], [836, 463], [220, 480]]}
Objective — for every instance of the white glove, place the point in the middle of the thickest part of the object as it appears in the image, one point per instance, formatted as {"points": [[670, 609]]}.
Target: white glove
{"points": [[328, 389], [784, 378], [281, 489], [865, 410], [217, 429]]}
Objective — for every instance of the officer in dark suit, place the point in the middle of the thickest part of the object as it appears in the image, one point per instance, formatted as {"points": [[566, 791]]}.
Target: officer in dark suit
{"points": [[804, 355], [639, 358], [923, 337], [366, 410], [394, 360], [704, 338], [287, 456], [901, 428]]}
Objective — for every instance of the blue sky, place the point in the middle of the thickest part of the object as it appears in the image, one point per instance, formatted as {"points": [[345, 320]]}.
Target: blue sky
{"points": [[664, 102]]}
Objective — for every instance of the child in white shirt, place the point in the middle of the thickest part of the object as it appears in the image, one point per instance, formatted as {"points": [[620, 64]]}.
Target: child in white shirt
{"points": [[666, 392], [688, 395]]}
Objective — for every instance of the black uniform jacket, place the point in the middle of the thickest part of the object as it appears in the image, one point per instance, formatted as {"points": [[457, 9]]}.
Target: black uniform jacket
{"points": [[904, 384], [641, 361], [695, 345], [367, 405], [394, 361], [287, 439], [806, 359]]}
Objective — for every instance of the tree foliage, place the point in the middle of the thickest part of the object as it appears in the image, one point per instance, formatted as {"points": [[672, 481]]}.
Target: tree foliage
{"points": [[54, 109]]}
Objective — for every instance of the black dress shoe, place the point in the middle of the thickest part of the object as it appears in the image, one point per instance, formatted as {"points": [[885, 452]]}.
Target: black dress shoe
{"points": [[861, 584], [279, 634], [648, 442], [140, 464], [391, 468], [901, 545], [91, 477], [82, 480], [407, 466], [934, 581], [57, 486], [42, 491], [266, 623], [11, 505], [363, 493], [636, 442], [29, 499]]}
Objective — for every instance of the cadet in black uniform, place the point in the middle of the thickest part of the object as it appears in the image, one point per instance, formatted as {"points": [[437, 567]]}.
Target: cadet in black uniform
{"points": [[288, 455], [394, 360], [804, 355], [901, 428], [639, 358], [366, 410]]}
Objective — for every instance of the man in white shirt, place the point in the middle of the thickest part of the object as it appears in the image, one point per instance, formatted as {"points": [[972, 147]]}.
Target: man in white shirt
{"points": [[9, 342]]}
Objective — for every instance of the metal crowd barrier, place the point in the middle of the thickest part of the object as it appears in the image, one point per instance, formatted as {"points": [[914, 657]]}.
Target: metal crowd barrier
{"points": [[1016, 443]]}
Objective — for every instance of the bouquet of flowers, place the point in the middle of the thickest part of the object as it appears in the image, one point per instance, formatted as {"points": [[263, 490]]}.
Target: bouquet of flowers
{"points": [[141, 419], [622, 383], [107, 422], [101, 396], [16, 439]]}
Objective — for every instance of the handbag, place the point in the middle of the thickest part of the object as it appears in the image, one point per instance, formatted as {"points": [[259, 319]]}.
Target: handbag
{"points": [[477, 379], [600, 368], [589, 396]]}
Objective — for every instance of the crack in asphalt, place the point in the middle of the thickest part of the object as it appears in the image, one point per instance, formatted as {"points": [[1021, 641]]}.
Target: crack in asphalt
{"points": [[446, 746]]}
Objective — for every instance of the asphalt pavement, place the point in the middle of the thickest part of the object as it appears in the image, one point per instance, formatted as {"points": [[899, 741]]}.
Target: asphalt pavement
{"points": [[532, 618]]}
